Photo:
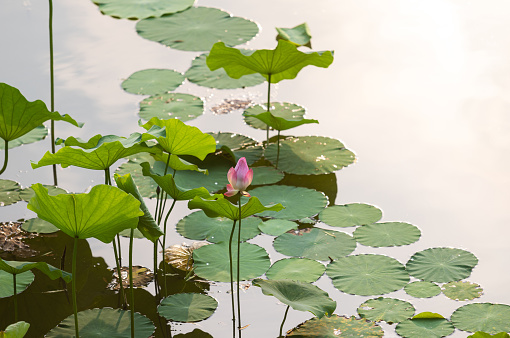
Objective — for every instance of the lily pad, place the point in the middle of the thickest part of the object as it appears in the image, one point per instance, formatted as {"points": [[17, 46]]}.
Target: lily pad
{"points": [[387, 234], [240, 145], [39, 226], [9, 192], [298, 202], [212, 261], [277, 227], [201, 75], [18, 268], [23, 281], [197, 29], [299, 35], [486, 317], [441, 265], [349, 215], [462, 290], [422, 289], [184, 107], [298, 269], [105, 322], [300, 296], [389, 310], [310, 155], [285, 110], [266, 175], [315, 244], [37, 134], [146, 185], [367, 275], [425, 327], [187, 307], [280, 123], [27, 193], [336, 326], [153, 81], [136, 9]]}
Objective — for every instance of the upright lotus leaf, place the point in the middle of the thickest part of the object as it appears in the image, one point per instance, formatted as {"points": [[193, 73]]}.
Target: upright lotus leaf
{"points": [[136, 9], [18, 116], [298, 35], [286, 110], [16, 330], [178, 138], [300, 296], [102, 213], [146, 223], [17, 267], [282, 63], [280, 123], [176, 163], [218, 206], [99, 153]]}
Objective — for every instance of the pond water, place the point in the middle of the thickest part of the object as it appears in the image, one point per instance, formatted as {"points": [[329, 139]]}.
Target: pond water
{"points": [[419, 91]]}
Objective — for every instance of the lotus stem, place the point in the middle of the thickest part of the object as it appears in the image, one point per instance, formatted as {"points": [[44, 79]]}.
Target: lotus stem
{"points": [[75, 305], [238, 266], [156, 268], [52, 90], [283, 322], [15, 298], [164, 244], [120, 250], [268, 105], [132, 301], [119, 274], [6, 157], [232, 280], [277, 149]]}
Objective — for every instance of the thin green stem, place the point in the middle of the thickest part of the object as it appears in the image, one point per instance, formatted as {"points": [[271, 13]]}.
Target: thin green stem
{"points": [[75, 304], [283, 322], [15, 298], [277, 149], [268, 105], [120, 250], [52, 89], [156, 289], [238, 268], [6, 157], [232, 280], [132, 301], [164, 244], [119, 274]]}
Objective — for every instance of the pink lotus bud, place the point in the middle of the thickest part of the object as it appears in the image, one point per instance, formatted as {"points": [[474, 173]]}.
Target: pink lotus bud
{"points": [[239, 178]]}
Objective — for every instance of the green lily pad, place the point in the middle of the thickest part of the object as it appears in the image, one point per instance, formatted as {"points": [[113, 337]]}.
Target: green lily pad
{"points": [[201, 75], [136, 9], [240, 145], [300, 296], [441, 265], [367, 275], [146, 185], [336, 326], [37, 134], [23, 281], [315, 244], [27, 193], [349, 215], [422, 289], [462, 290], [18, 267], [266, 175], [16, 330], [387, 234], [298, 202], [425, 327], [198, 226], [105, 322], [9, 192], [298, 35], [39, 226], [280, 123], [389, 310], [197, 29], [277, 227], [310, 155], [285, 110], [486, 317], [153, 81], [187, 307], [298, 269], [184, 107], [212, 261]]}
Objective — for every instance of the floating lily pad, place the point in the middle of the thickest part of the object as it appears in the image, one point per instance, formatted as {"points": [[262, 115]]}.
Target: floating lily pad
{"points": [[184, 107], [336, 326], [39, 226], [441, 265], [9, 192], [299, 269], [198, 226], [197, 29], [212, 261], [277, 227], [389, 310], [187, 307], [315, 244], [422, 289], [37, 134], [241, 146], [105, 322], [299, 35], [486, 317], [367, 275], [266, 175], [27, 193], [425, 327], [349, 215], [288, 111], [23, 281], [298, 202], [387, 234], [146, 185], [201, 75], [310, 155], [462, 290], [153, 81], [136, 9]]}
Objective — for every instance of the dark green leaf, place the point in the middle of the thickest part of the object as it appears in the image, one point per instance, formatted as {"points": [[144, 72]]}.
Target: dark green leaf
{"points": [[152, 81], [184, 107], [187, 307], [17, 267], [349, 215], [285, 110], [389, 310], [298, 269], [486, 317]]}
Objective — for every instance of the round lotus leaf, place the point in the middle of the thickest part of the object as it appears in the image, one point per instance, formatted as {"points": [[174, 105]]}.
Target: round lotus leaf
{"points": [[9, 192], [288, 111], [27, 193], [336, 326], [153, 81], [486, 317], [300, 269], [37, 134], [462, 290], [389, 310], [136, 9], [277, 227], [212, 261], [266, 175], [39, 226], [184, 107], [349, 215], [425, 327], [441, 265], [198, 226], [367, 275], [422, 289], [187, 307], [197, 29], [241, 146], [23, 281], [105, 322], [314, 243], [387, 234], [201, 75], [298, 202], [310, 155]]}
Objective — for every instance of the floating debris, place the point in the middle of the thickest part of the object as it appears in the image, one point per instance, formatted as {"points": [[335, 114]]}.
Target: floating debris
{"points": [[230, 105], [181, 256], [141, 277], [12, 238]]}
